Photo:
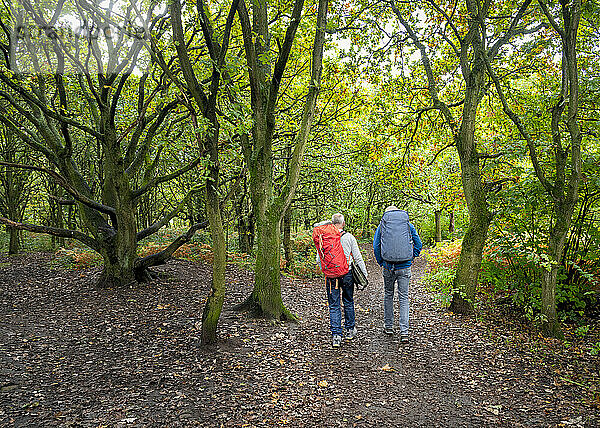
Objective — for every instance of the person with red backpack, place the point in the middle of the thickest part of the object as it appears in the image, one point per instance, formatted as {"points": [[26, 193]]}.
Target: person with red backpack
{"points": [[336, 249], [395, 244]]}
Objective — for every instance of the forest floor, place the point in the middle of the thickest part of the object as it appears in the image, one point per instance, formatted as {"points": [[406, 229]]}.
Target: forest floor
{"points": [[75, 355]]}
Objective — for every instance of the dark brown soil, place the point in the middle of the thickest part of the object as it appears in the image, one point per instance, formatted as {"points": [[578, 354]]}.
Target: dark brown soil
{"points": [[72, 354]]}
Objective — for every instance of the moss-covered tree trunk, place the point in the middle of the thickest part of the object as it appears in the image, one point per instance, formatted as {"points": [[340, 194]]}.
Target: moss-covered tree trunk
{"points": [[265, 84], [216, 296], [558, 234], [563, 189], [245, 221], [473, 56], [438, 226], [15, 190], [13, 193], [471, 254], [287, 239], [119, 251], [266, 295], [207, 102], [265, 299], [14, 242]]}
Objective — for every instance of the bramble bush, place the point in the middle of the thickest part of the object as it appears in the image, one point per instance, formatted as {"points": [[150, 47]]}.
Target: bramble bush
{"points": [[77, 258], [512, 269], [304, 265], [442, 259]]}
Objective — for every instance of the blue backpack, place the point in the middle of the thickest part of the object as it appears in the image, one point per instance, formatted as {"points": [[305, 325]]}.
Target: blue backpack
{"points": [[396, 238]]}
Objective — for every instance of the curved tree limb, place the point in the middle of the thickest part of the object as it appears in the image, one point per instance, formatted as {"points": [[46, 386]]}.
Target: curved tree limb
{"points": [[62, 233], [158, 180], [282, 203], [29, 140], [62, 182], [155, 227], [433, 90], [141, 153], [524, 133], [511, 31], [163, 256], [184, 59], [54, 115], [284, 53]]}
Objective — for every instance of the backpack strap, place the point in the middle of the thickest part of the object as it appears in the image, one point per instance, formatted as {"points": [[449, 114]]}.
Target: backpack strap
{"points": [[342, 233]]}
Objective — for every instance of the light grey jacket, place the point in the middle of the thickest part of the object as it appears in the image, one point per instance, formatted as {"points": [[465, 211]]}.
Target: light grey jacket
{"points": [[351, 251]]}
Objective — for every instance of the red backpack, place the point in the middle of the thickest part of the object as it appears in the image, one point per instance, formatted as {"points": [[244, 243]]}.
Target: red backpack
{"points": [[333, 260]]}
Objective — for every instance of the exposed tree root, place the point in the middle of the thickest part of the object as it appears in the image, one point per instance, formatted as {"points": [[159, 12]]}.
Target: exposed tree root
{"points": [[459, 305], [253, 308]]}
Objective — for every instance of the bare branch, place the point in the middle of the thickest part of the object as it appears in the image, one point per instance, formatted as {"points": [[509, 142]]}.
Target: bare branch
{"points": [[155, 227], [163, 256], [62, 182], [62, 201], [490, 156], [62, 233], [158, 180], [524, 133]]}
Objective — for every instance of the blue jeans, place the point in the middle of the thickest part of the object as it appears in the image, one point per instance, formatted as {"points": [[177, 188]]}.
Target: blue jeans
{"points": [[390, 278], [344, 284]]}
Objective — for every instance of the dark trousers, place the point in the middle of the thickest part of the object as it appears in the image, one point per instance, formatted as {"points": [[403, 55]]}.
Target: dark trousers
{"points": [[344, 287]]}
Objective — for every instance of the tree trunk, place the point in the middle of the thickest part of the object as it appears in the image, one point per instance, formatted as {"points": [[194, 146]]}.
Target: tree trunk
{"points": [[438, 226], [14, 243], [56, 217], [245, 224], [214, 302], [287, 239], [116, 273], [550, 323], [14, 183], [268, 211], [451, 222], [120, 249], [265, 300], [469, 263], [473, 58]]}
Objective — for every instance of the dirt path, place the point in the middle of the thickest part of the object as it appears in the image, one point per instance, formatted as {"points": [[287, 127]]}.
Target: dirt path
{"points": [[75, 355]]}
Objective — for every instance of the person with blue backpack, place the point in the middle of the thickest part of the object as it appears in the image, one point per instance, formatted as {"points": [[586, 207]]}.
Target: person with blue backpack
{"points": [[395, 244]]}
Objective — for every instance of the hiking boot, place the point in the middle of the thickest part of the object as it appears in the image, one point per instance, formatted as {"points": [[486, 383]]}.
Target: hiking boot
{"points": [[404, 338], [388, 330], [336, 341], [351, 333]]}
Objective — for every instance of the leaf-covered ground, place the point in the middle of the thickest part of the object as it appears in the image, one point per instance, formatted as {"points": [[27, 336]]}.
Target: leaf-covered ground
{"points": [[71, 354]]}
